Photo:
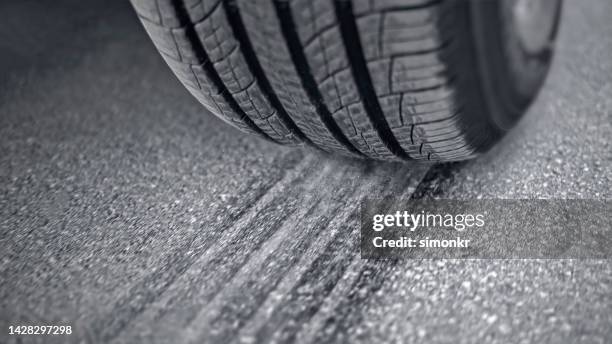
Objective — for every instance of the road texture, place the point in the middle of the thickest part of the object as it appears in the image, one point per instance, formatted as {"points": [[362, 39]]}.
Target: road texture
{"points": [[133, 215]]}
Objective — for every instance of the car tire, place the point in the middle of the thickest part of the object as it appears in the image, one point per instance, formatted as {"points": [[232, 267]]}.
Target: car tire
{"points": [[411, 80]]}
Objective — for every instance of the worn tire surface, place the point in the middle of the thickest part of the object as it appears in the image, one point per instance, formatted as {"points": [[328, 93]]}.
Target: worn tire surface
{"points": [[391, 80]]}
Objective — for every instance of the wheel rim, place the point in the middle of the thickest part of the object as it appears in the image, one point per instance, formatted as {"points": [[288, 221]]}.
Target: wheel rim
{"points": [[534, 22]]}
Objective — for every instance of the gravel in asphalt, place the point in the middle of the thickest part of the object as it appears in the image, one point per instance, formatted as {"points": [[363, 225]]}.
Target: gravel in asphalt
{"points": [[132, 214]]}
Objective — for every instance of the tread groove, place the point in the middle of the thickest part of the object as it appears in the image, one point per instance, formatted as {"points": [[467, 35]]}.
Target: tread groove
{"points": [[240, 33], [183, 17], [296, 50], [352, 45]]}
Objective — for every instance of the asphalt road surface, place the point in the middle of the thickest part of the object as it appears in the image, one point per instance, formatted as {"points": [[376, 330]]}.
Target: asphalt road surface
{"points": [[130, 213]]}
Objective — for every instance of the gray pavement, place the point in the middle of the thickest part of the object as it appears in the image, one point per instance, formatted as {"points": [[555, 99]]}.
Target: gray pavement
{"points": [[133, 215]]}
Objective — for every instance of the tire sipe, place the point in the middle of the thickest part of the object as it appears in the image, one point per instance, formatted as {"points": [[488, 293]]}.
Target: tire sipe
{"points": [[424, 80]]}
